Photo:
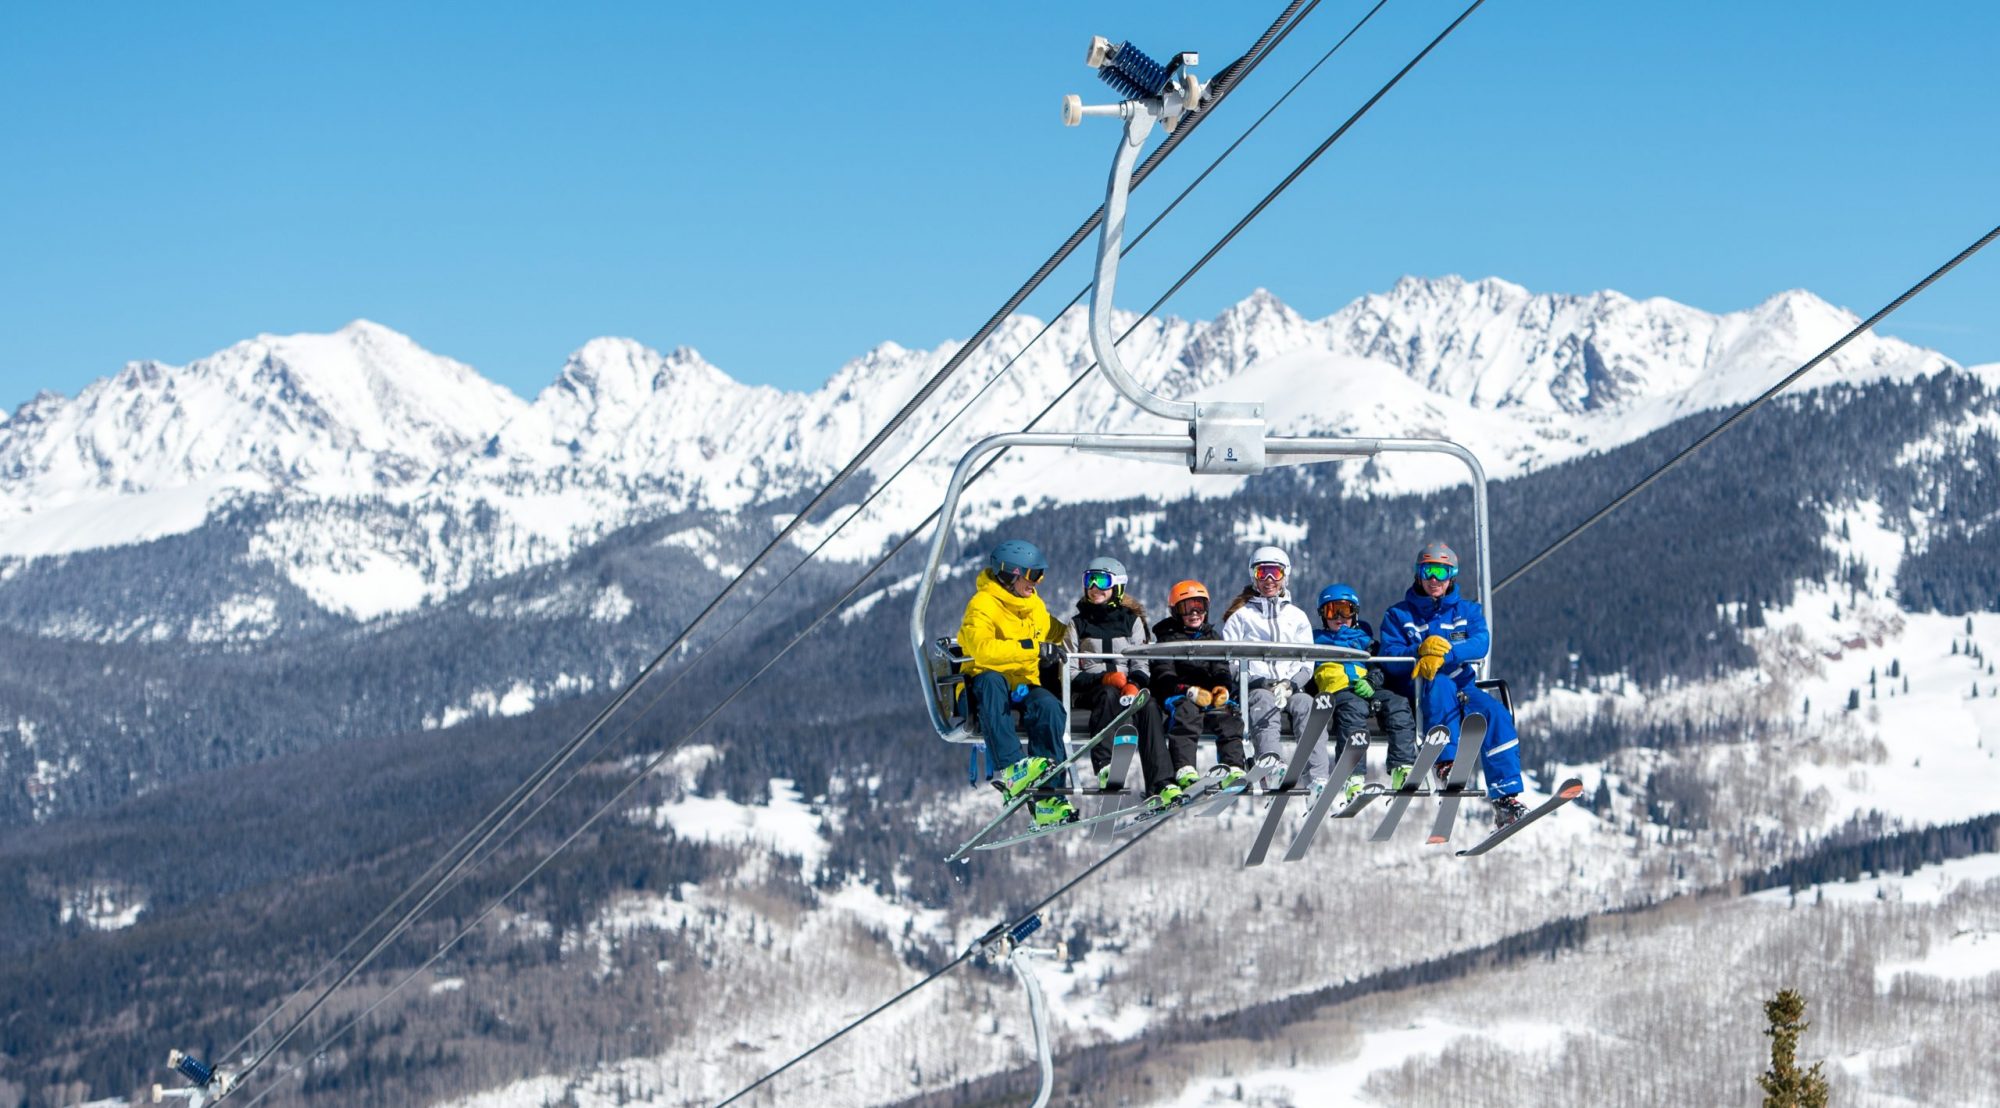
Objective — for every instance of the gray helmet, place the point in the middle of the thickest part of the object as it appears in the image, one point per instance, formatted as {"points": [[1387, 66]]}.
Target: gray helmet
{"points": [[1112, 570]]}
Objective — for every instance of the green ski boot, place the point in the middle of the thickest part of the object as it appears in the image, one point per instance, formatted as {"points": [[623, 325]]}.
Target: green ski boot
{"points": [[1353, 789], [1397, 776], [1052, 810], [1186, 776], [1015, 779]]}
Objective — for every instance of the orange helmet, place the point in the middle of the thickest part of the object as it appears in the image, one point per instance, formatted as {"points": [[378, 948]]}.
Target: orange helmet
{"points": [[1186, 590]]}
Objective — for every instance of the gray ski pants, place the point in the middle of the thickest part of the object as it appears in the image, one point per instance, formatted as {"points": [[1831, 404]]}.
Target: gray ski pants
{"points": [[1266, 716]]}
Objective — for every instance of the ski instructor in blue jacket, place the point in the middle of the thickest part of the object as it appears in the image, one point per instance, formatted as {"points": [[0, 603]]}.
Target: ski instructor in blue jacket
{"points": [[1446, 633]]}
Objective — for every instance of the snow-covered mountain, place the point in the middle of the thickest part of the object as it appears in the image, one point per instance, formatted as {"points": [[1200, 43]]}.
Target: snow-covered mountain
{"points": [[335, 427]]}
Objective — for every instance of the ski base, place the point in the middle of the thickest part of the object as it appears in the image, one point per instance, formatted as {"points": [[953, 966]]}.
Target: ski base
{"points": [[1569, 790]]}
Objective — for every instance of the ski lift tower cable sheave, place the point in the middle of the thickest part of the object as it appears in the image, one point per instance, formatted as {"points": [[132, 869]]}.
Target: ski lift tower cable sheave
{"points": [[1222, 438], [1275, 33], [1873, 320]]}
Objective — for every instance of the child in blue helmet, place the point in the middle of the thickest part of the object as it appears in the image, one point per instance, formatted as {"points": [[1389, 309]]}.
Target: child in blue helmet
{"points": [[1008, 636], [1446, 633], [1359, 691]]}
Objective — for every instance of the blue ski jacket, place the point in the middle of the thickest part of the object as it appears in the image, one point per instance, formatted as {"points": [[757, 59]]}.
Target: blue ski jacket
{"points": [[1451, 617], [1360, 636]]}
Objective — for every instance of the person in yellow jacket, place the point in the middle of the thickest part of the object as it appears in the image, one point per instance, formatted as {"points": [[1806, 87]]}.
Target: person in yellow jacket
{"points": [[1008, 636]]}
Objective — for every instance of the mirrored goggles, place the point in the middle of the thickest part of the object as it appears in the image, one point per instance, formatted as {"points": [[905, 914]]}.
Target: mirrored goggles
{"points": [[1268, 571], [1436, 572], [1190, 607], [1334, 610], [1101, 579]]}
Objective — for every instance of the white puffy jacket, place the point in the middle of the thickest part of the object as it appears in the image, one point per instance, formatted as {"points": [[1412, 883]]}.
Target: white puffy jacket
{"points": [[1272, 619]]}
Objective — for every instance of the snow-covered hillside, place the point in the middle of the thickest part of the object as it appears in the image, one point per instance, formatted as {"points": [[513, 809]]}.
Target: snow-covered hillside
{"points": [[335, 427]]}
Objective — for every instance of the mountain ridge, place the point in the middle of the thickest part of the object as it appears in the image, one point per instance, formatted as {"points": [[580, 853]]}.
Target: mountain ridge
{"points": [[365, 416]]}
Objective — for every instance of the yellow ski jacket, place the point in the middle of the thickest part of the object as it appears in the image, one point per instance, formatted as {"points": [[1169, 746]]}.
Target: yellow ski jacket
{"points": [[995, 624]]}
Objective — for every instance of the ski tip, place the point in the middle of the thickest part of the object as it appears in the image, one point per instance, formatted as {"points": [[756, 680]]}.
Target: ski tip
{"points": [[1571, 789], [1438, 840]]}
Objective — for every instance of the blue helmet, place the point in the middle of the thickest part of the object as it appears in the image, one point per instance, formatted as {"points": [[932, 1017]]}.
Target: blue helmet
{"points": [[1339, 591], [1016, 555]]}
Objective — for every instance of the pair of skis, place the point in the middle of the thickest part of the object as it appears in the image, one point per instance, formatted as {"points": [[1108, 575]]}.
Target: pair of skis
{"points": [[1457, 786], [1027, 794]]}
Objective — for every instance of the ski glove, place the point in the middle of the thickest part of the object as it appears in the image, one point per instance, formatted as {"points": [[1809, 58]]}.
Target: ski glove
{"points": [[1219, 695], [1115, 679], [1127, 694], [1430, 656], [1363, 689], [1201, 697], [1283, 690], [1053, 654]]}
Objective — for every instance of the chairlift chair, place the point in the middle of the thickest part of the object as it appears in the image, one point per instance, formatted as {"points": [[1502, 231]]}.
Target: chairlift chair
{"points": [[1219, 438]]}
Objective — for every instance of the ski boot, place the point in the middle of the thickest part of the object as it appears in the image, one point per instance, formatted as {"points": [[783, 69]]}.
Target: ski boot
{"points": [[1397, 776], [1225, 776], [1353, 788], [1168, 796], [1507, 811], [1015, 779], [1104, 780], [1053, 810], [1269, 770], [1186, 776]]}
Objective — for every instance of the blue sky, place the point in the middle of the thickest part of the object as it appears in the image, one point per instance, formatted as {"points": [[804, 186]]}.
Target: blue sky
{"points": [[782, 188]]}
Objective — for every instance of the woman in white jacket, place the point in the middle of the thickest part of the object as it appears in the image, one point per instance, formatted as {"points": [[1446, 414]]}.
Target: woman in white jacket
{"points": [[1264, 612]]}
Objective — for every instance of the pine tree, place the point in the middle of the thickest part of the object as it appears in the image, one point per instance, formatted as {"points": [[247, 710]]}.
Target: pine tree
{"points": [[1853, 700], [1784, 1084]]}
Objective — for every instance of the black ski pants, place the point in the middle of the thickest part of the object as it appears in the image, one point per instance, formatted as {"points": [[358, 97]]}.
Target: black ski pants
{"points": [[1189, 722], [1101, 705], [1351, 715]]}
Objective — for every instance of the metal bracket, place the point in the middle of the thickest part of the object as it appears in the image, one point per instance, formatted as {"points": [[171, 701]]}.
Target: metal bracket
{"points": [[1228, 438]]}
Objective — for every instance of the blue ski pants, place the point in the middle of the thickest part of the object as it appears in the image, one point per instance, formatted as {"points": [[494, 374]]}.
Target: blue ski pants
{"points": [[1041, 712], [1446, 704]]}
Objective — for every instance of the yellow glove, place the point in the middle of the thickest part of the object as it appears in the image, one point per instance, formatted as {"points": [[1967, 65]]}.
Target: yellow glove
{"points": [[1331, 677], [1219, 696], [1430, 656], [1200, 697]]}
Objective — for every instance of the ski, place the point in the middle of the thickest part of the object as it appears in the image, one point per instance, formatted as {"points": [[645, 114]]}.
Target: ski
{"points": [[1188, 796], [1471, 744], [1224, 799], [1122, 749], [1399, 801], [1351, 756], [1361, 800], [1053, 771], [1302, 749], [1102, 819], [1570, 790]]}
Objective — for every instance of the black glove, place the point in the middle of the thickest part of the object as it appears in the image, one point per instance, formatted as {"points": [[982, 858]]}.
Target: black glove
{"points": [[1053, 654]]}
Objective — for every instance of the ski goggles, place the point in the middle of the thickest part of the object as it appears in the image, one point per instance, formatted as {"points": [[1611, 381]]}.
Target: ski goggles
{"points": [[1189, 607], [1435, 571], [1268, 571], [1102, 579], [1336, 609], [1034, 576]]}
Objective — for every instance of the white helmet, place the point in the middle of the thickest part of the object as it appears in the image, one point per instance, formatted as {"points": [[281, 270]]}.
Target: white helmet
{"points": [[1269, 555]]}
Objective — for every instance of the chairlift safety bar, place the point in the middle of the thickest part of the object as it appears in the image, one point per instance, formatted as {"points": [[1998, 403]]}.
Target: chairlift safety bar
{"points": [[1280, 450]]}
